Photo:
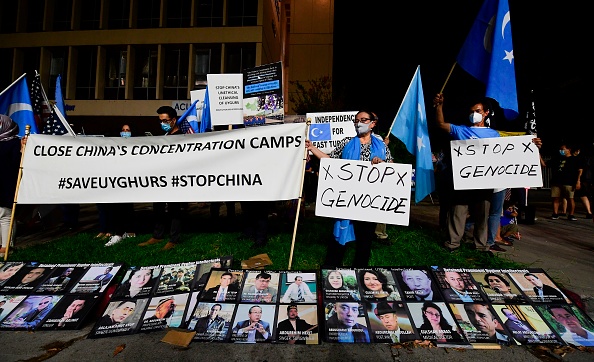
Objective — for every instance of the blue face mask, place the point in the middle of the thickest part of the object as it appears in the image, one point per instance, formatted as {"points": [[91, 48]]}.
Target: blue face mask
{"points": [[165, 127], [562, 152], [125, 134]]}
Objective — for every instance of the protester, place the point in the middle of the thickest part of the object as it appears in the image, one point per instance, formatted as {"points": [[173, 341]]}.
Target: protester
{"points": [[10, 154], [364, 147], [564, 180]]}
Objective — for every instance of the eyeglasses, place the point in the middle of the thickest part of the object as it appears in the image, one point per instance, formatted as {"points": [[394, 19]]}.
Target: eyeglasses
{"points": [[433, 314], [363, 120]]}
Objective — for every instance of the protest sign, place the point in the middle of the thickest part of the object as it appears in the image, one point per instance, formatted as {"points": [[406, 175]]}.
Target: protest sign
{"points": [[328, 128], [225, 94]]}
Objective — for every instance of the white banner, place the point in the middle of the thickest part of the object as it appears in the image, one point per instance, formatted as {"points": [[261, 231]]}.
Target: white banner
{"points": [[489, 163], [249, 164], [328, 128], [358, 190]]}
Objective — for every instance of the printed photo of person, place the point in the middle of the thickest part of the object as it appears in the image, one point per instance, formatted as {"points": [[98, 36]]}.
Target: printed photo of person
{"points": [[480, 323], [222, 286], [8, 270], [340, 284], [96, 279], [253, 323], [378, 284], [203, 270], [120, 318], [298, 287], [164, 311], [416, 284], [499, 288], [458, 286], [8, 303], [390, 323], [31, 312], [26, 279], [61, 280], [525, 325], [138, 283], [575, 327], [211, 321], [345, 323], [70, 312], [175, 279], [435, 323], [260, 287], [538, 287], [297, 324]]}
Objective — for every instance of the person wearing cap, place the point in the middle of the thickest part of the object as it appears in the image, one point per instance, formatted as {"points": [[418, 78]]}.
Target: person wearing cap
{"points": [[291, 329], [386, 313], [164, 310]]}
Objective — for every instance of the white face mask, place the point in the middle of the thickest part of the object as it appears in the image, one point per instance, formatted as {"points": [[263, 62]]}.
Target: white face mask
{"points": [[475, 118], [362, 128]]}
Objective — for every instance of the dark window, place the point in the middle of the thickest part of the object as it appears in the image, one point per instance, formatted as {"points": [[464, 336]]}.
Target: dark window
{"points": [[35, 11], [90, 14], [58, 66], [8, 21], [207, 60], [119, 14], [178, 13], [240, 57], [6, 69], [209, 13], [115, 73], [176, 72], [86, 73], [145, 74], [148, 14], [62, 15], [31, 61], [242, 12]]}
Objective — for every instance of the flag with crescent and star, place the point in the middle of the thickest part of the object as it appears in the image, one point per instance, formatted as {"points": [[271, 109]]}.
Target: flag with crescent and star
{"points": [[410, 126], [488, 55]]}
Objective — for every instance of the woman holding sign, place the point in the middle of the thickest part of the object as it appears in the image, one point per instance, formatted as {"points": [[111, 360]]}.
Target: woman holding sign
{"points": [[365, 147]]}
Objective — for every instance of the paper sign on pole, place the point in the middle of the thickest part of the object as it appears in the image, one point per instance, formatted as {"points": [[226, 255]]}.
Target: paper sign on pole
{"points": [[328, 128], [225, 92]]}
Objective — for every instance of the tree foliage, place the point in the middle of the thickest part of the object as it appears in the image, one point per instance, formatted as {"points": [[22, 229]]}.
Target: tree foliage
{"points": [[314, 96]]}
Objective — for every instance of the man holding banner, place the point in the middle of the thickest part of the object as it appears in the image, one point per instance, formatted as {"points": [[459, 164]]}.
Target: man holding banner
{"points": [[477, 201]]}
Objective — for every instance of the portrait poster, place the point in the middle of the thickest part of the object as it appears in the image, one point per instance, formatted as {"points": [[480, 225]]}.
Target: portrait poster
{"points": [[120, 318], [345, 322], [340, 284], [10, 303], [537, 286], [416, 284], [260, 286], [203, 270], [138, 282], [26, 279], [435, 323], [574, 326], [498, 287], [30, 313], [71, 312], [298, 287], [481, 325], [457, 285], [62, 278], [253, 323], [297, 324], [377, 284], [211, 321], [164, 311], [525, 325], [97, 278], [229, 279], [390, 322], [176, 278], [7, 271]]}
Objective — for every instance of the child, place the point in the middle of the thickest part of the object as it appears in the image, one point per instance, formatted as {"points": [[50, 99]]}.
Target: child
{"points": [[509, 221]]}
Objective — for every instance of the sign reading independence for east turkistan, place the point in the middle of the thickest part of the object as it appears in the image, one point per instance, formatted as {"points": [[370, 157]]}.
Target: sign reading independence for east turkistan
{"points": [[251, 164]]}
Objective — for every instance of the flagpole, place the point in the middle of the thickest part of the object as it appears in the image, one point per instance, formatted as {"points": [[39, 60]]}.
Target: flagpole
{"points": [[13, 83], [448, 78], [16, 193], [401, 103], [300, 196]]}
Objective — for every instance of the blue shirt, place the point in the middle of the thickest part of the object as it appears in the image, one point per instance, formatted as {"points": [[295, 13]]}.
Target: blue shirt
{"points": [[467, 133]]}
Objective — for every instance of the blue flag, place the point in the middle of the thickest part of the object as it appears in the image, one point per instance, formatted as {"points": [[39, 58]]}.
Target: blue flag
{"points": [[190, 116], [59, 99], [488, 55], [205, 122], [15, 102], [410, 126]]}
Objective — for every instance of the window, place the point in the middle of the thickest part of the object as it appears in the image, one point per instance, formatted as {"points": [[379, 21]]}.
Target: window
{"points": [[209, 13], [242, 12], [58, 63], [145, 74], [8, 23], [35, 10], [86, 73], [207, 60], [176, 72], [240, 57], [115, 73], [31, 61], [90, 14], [178, 13], [148, 14], [6, 69], [62, 15], [119, 14]]}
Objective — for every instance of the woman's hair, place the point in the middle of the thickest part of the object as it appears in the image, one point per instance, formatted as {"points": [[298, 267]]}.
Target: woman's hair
{"points": [[372, 115], [380, 277], [327, 284], [496, 276], [443, 323]]}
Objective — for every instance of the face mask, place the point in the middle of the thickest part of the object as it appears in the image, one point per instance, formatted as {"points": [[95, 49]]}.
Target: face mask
{"points": [[362, 128], [165, 127], [562, 152], [475, 118], [125, 134]]}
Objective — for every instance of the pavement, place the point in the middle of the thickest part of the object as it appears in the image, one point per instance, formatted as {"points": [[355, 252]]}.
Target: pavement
{"points": [[563, 248]]}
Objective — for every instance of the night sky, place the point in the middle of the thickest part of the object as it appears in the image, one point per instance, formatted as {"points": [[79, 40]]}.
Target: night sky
{"points": [[378, 48]]}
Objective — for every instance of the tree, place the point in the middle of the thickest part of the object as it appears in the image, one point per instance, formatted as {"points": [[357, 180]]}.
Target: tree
{"points": [[314, 96]]}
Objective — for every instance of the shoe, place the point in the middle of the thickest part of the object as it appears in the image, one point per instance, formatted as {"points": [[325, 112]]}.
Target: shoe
{"points": [[169, 246], [588, 216], [129, 235], [571, 218], [504, 241], [114, 240], [554, 216], [562, 214], [497, 248], [382, 236], [448, 249], [150, 241], [100, 236]]}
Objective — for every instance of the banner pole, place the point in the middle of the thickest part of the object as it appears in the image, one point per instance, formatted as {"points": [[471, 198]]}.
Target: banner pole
{"points": [[300, 196]]}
